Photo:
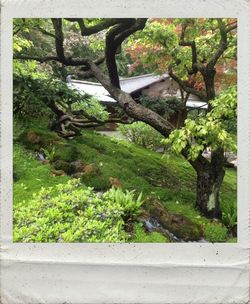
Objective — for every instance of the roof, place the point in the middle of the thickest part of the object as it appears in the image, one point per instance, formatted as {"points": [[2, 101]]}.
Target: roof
{"points": [[129, 85]]}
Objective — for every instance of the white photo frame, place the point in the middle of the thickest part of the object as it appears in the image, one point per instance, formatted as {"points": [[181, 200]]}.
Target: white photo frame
{"points": [[126, 273]]}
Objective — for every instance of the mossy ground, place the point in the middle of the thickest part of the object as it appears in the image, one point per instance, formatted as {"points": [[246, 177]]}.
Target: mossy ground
{"points": [[170, 179]]}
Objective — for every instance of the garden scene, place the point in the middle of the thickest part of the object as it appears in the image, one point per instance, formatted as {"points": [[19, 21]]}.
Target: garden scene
{"points": [[124, 130]]}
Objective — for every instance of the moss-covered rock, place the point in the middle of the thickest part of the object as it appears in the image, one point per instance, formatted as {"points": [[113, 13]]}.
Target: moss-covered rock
{"points": [[66, 152], [65, 166], [91, 170], [36, 139], [78, 165], [182, 227], [57, 172]]}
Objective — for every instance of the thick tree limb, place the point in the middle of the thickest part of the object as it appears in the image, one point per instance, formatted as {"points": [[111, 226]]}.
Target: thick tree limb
{"points": [[66, 61], [132, 108], [59, 38], [111, 48], [114, 38], [87, 31]]}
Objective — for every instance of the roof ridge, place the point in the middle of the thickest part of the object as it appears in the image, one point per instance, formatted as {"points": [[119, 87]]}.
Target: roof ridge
{"points": [[122, 79], [145, 75]]}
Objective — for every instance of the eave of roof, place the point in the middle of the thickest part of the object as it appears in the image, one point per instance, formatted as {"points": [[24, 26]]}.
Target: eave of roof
{"points": [[130, 86]]}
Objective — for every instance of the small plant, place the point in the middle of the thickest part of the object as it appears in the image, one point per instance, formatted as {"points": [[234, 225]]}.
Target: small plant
{"points": [[49, 153], [131, 206], [229, 215]]}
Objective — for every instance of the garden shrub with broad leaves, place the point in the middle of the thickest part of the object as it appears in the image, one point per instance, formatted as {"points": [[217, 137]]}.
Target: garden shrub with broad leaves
{"points": [[74, 213], [142, 134]]}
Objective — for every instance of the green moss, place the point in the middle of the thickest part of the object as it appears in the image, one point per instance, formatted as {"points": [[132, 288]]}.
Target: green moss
{"points": [[33, 175], [140, 236], [66, 152], [63, 165], [215, 232], [232, 240], [169, 179], [35, 138]]}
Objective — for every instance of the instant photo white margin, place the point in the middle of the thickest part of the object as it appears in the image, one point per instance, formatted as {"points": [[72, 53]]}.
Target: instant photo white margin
{"points": [[125, 273]]}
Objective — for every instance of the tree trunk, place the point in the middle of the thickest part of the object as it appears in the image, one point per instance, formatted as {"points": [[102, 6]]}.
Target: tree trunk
{"points": [[209, 180]]}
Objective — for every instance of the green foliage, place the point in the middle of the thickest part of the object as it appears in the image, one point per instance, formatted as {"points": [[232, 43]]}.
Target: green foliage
{"points": [[162, 106], [91, 106], [207, 130], [18, 129], [31, 175], [140, 236], [74, 213], [142, 135], [20, 44], [170, 180], [34, 91], [66, 152], [229, 214], [215, 233], [130, 205], [158, 45], [49, 153]]}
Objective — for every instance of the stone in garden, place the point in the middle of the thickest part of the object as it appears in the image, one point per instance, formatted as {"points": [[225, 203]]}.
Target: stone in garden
{"points": [[91, 169], [33, 138], [57, 172], [115, 182], [78, 165]]}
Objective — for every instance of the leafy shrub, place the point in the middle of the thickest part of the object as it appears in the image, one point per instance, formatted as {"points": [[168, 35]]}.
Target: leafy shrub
{"points": [[49, 153], [74, 213], [130, 205], [142, 134], [215, 233]]}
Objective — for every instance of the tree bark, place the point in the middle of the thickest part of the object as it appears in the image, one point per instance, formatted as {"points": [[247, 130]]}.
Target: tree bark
{"points": [[209, 179]]}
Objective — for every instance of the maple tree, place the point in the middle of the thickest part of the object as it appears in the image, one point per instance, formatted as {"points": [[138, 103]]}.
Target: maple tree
{"points": [[195, 52]]}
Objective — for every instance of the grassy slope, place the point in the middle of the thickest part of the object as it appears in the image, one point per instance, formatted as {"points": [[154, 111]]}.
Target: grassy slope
{"points": [[171, 179]]}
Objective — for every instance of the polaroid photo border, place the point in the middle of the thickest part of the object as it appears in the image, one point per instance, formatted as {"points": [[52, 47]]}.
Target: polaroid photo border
{"points": [[125, 273]]}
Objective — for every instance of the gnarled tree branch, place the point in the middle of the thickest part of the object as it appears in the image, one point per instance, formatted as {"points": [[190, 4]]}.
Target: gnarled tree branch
{"points": [[87, 31], [128, 104], [185, 87]]}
